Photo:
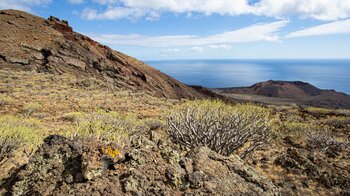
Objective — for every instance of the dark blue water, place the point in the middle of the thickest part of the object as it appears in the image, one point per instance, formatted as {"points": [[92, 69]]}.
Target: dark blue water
{"points": [[325, 74]]}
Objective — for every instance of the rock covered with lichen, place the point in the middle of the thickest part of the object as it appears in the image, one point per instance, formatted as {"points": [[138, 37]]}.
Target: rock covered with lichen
{"points": [[62, 166]]}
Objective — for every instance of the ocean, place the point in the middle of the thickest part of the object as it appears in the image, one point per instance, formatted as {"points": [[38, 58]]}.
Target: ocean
{"points": [[324, 74]]}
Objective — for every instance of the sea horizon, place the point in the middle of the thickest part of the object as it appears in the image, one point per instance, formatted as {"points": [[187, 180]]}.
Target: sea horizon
{"points": [[218, 59], [329, 74]]}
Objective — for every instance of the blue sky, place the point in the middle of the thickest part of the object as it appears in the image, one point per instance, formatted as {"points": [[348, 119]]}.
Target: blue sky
{"points": [[207, 29]]}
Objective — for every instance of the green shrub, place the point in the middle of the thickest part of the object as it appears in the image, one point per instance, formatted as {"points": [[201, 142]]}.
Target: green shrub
{"points": [[298, 129], [4, 100], [72, 116], [154, 124], [31, 108], [16, 132], [320, 112], [323, 140], [338, 122], [345, 112], [221, 127], [107, 127]]}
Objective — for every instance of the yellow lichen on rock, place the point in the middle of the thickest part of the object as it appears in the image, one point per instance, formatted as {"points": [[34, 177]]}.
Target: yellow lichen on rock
{"points": [[111, 152]]}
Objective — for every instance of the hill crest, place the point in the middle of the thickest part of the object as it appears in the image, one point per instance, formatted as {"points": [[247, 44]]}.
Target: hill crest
{"points": [[288, 92], [33, 43]]}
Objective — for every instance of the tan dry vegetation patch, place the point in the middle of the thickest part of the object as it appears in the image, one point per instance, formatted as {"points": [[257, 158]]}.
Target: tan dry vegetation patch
{"points": [[297, 124], [59, 101], [49, 97]]}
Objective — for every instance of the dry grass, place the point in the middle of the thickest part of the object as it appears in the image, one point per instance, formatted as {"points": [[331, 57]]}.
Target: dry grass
{"points": [[53, 97], [104, 126], [17, 132], [322, 112], [60, 101], [33, 105], [337, 122]]}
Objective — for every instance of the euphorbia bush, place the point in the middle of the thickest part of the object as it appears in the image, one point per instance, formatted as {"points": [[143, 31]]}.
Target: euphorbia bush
{"points": [[222, 127]]}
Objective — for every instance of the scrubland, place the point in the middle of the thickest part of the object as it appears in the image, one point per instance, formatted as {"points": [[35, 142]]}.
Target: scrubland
{"points": [[305, 150]]}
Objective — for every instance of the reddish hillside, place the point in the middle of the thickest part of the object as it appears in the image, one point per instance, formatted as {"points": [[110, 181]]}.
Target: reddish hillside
{"points": [[296, 91], [280, 89], [33, 43]]}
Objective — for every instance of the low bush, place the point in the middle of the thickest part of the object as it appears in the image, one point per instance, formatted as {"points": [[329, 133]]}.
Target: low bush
{"points": [[154, 124], [344, 112], [338, 122], [106, 127], [320, 112], [30, 108], [16, 132], [5, 100], [320, 139], [324, 140], [298, 129], [222, 127], [72, 116]]}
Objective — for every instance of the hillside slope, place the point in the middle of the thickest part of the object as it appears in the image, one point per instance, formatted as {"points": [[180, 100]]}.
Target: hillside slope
{"points": [[288, 91], [280, 89], [33, 43]]}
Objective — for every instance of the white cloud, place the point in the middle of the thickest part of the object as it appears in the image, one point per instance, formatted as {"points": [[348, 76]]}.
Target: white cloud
{"points": [[257, 32], [76, 1], [231, 7], [220, 46], [24, 5], [196, 49], [147, 8], [113, 13], [338, 27], [317, 9]]}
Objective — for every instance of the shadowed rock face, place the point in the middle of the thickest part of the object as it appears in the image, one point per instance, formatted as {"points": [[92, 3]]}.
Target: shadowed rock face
{"points": [[60, 167], [33, 43]]}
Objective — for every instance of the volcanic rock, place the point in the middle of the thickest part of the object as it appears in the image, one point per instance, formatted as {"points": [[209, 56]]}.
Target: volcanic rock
{"points": [[59, 167], [33, 43]]}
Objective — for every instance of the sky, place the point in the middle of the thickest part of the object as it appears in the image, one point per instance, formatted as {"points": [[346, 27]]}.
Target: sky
{"points": [[207, 29]]}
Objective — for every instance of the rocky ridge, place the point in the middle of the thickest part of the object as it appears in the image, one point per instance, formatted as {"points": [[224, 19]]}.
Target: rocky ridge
{"points": [[33, 43]]}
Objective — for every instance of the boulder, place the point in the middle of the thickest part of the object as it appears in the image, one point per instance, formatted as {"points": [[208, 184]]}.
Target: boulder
{"points": [[61, 165], [64, 167], [213, 173]]}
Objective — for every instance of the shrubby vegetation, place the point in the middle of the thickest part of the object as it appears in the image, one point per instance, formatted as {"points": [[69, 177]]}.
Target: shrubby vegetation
{"points": [[298, 129], [338, 122], [325, 140], [318, 134], [55, 95], [320, 140], [72, 116], [30, 108], [16, 132], [322, 112], [222, 127], [4, 100], [104, 126], [77, 108]]}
